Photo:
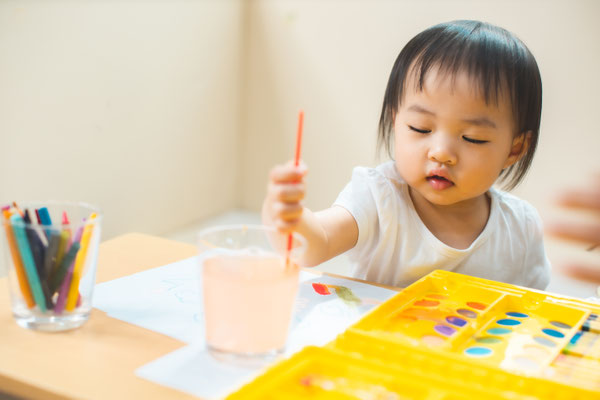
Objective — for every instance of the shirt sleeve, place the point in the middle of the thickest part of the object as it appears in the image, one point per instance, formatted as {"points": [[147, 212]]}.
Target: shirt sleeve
{"points": [[537, 264]]}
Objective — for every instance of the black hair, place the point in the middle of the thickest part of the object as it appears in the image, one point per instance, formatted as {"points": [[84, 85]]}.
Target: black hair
{"points": [[496, 59]]}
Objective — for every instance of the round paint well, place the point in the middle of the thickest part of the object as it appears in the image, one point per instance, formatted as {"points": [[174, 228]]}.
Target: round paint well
{"points": [[476, 305], [553, 333], [426, 303], [432, 340], [516, 314], [456, 321], [488, 340], [498, 331], [544, 341], [478, 351], [444, 330], [560, 325], [508, 322], [467, 313]]}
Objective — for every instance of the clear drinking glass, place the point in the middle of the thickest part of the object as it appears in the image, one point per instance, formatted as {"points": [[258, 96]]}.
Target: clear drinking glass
{"points": [[51, 250], [249, 284]]}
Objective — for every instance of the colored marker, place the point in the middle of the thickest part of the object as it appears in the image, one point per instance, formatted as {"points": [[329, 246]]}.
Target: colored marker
{"points": [[36, 237], [63, 292], [44, 218], [63, 244], [65, 240], [17, 262], [63, 283], [58, 276], [37, 215], [66, 225], [39, 246], [30, 268], [79, 263], [18, 209], [51, 253]]}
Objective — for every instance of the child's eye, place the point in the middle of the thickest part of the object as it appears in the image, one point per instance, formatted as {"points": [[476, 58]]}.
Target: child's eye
{"points": [[476, 141], [412, 128]]}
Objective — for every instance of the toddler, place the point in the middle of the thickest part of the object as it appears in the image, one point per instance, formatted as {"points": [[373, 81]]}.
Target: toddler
{"points": [[461, 111]]}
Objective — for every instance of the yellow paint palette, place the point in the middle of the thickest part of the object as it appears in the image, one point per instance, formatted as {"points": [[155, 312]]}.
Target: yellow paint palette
{"points": [[509, 327], [330, 373], [458, 334]]}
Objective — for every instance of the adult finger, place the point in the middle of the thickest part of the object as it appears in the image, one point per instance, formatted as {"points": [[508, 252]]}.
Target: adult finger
{"points": [[582, 272], [586, 233], [581, 199]]}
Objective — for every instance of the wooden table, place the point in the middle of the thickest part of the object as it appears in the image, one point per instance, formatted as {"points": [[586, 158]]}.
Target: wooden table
{"points": [[98, 360]]}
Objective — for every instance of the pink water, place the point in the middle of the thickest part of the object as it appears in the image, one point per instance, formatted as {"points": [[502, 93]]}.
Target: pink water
{"points": [[248, 302]]}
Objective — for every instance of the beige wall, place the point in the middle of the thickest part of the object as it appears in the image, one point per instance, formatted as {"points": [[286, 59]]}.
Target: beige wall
{"points": [[164, 112], [131, 105]]}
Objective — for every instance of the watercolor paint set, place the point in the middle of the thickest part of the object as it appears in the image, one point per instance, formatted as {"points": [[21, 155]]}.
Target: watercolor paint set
{"points": [[452, 336]]}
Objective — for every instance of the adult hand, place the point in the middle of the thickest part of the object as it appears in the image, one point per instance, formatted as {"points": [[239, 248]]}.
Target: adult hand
{"points": [[587, 233]]}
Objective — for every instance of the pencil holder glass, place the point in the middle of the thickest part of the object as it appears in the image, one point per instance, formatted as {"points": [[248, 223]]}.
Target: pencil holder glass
{"points": [[51, 253]]}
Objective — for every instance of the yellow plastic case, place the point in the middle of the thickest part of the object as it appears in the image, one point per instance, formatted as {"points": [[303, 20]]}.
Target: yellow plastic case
{"points": [[452, 336]]}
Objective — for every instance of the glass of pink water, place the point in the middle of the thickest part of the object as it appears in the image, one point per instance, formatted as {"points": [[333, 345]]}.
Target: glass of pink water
{"points": [[249, 287]]}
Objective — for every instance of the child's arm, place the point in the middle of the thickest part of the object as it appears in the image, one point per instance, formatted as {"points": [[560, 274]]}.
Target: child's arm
{"points": [[329, 232]]}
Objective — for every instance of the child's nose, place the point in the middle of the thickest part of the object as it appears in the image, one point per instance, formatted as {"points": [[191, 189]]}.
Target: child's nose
{"points": [[441, 151]]}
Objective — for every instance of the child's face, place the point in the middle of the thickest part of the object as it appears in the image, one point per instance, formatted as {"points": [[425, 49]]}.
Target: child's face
{"points": [[450, 146]]}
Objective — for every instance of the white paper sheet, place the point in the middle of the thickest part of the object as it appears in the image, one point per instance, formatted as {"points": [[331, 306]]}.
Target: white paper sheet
{"points": [[167, 300]]}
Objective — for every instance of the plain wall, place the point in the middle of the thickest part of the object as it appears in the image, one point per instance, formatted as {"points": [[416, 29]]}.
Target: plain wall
{"points": [[129, 105]]}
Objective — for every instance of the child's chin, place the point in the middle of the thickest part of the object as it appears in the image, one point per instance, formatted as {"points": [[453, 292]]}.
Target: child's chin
{"points": [[442, 199]]}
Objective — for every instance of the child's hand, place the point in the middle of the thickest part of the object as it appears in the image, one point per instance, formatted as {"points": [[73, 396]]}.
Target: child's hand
{"points": [[282, 207]]}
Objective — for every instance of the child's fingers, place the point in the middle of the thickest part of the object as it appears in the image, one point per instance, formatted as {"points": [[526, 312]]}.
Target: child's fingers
{"points": [[287, 173], [286, 226], [288, 212], [285, 191], [288, 193]]}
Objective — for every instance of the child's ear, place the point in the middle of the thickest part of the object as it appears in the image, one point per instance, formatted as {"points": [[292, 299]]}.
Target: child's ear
{"points": [[518, 148]]}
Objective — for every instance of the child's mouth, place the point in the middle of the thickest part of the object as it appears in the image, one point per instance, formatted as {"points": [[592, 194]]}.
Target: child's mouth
{"points": [[439, 182]]}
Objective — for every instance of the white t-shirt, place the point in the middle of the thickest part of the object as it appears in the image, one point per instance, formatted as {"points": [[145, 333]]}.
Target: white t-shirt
{"points": [[395, 248]]}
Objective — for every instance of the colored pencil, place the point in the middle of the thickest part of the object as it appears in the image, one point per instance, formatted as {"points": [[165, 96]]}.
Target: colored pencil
{"points": [[79, 264], [63, 283], [30, 268], [17, 262]]}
